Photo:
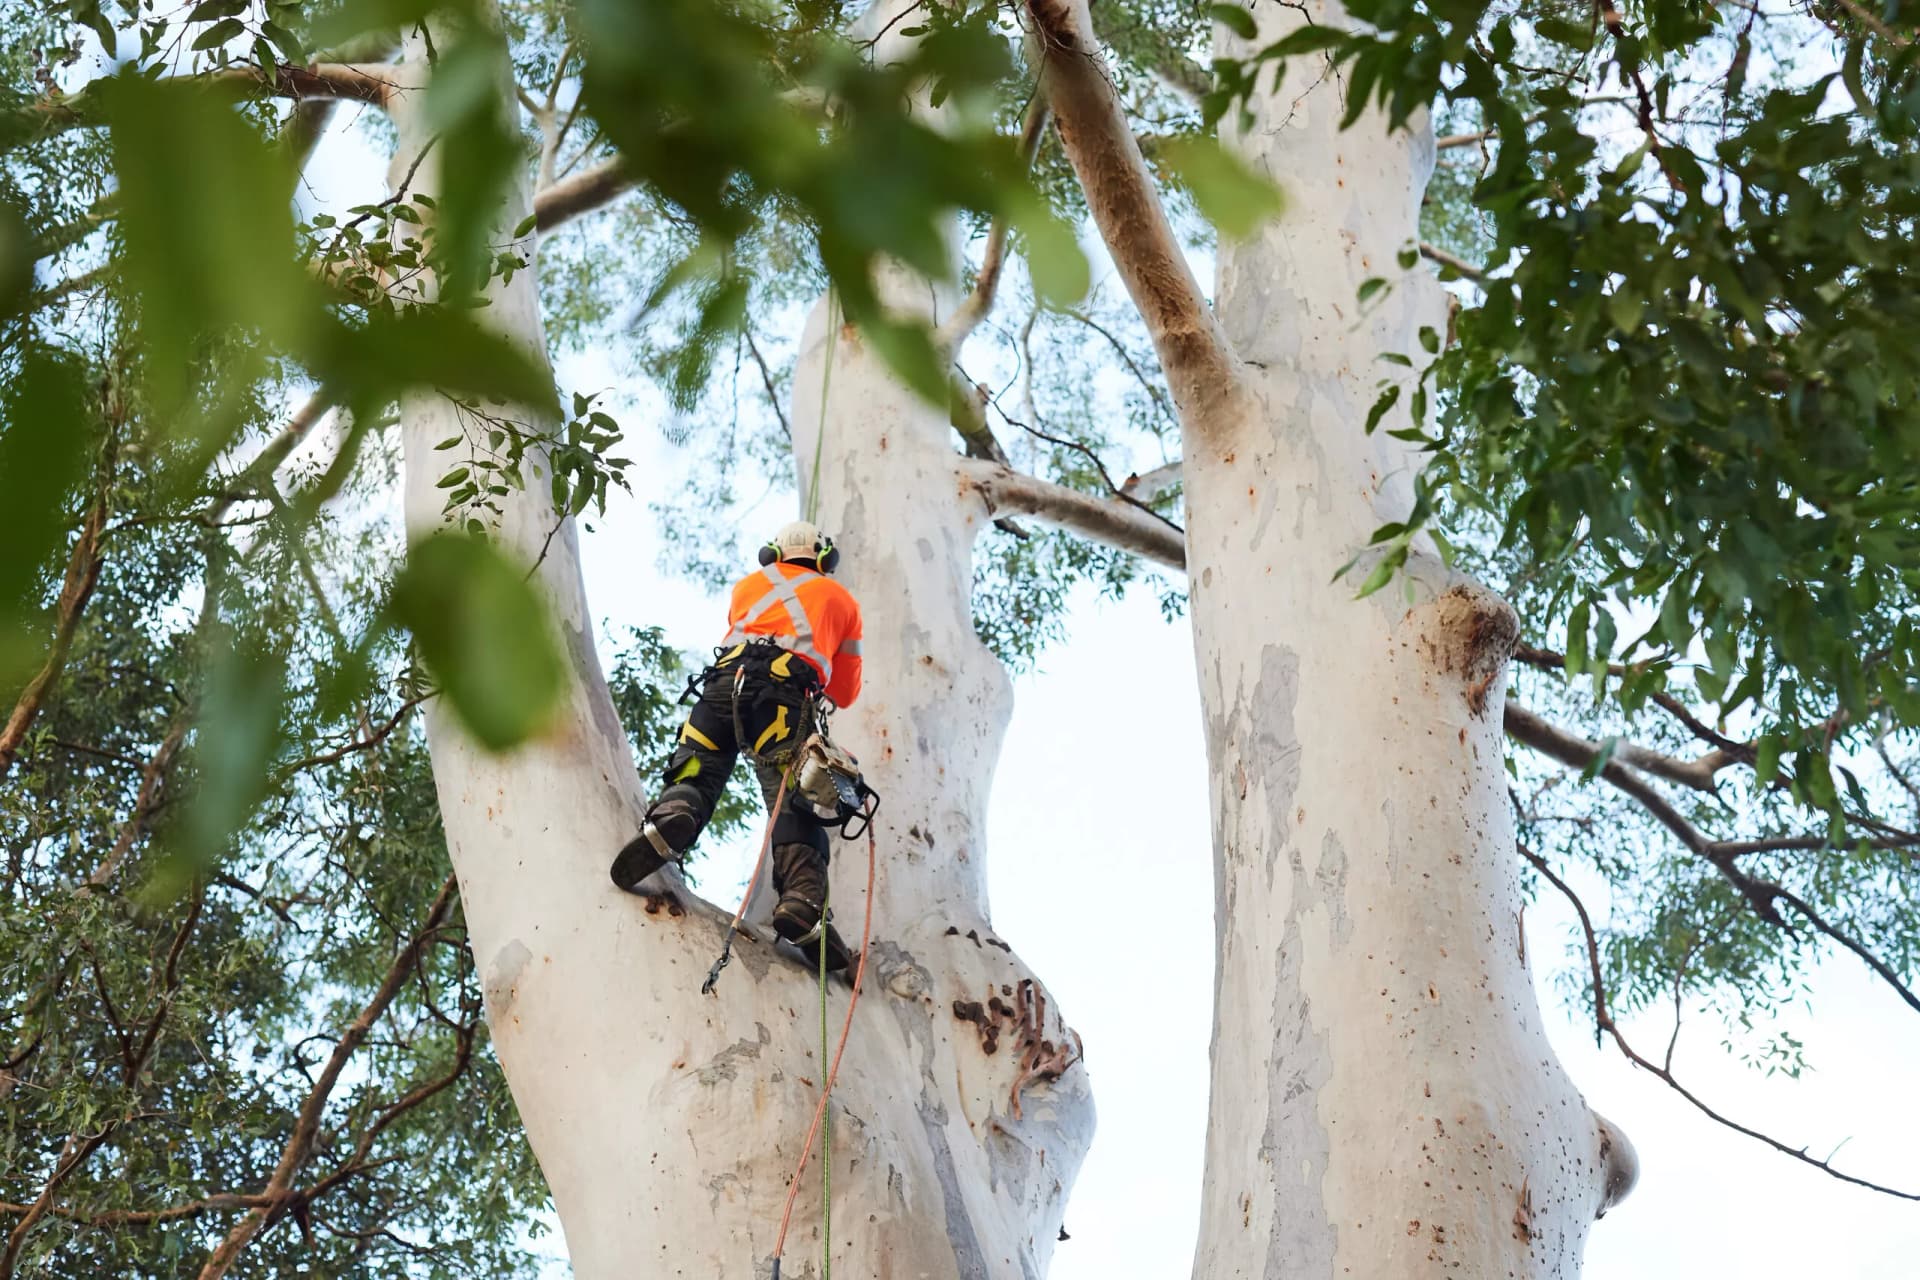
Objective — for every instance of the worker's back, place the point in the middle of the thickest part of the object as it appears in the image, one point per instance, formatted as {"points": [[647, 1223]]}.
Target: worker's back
{"points": [[804, 610]]}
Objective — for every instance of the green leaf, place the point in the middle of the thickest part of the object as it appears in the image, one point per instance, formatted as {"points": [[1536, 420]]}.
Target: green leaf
{"points": [[482, 630], [1055, 263], [1383, 572], [218, 34], [237, 734], [208, 10], [909, 351], [1311, 38], [1230, 195], [428, 346], [223, 258], [1234, 19], [1382, 406], [45, 409], [478, 153]]}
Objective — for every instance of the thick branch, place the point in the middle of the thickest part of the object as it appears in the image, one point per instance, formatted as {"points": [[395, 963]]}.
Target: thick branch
{"points": [[1570, 748], [1460, 266], [1118, 524], [140, 1217], [1548, 660], [146, 802], [1577, 753], [307, 1127], [83, 572], [1195, 355], [584, 192], [976, 306], [1603, 1020], [340, 81]]}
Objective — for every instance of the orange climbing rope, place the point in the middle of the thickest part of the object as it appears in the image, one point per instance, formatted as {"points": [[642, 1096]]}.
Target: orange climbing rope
{"points": [[833, 1072], [733, 929]]}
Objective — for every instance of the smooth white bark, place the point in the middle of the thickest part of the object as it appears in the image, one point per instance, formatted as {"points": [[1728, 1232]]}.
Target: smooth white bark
{"points": [[667, 1123], [1385, 1101]]}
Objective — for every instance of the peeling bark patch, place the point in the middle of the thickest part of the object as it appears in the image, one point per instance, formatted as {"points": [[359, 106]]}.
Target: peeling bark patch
{"points": [[1472, 635], [916, 1029], [969, 1262], [1294, 1139], [1008, 1159], [726, 1065], [503, 980]]}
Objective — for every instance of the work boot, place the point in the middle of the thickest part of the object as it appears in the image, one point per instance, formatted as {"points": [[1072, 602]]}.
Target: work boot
{"points": [[670, 828], [800, 876]]}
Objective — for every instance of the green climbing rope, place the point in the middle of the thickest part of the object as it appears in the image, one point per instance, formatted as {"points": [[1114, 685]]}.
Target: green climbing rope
{"points": [[826, 384], [826, 1131]]}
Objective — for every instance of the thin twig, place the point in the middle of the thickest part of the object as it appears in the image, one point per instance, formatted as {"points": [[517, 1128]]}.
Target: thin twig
{"points": [[1603, 1021]]}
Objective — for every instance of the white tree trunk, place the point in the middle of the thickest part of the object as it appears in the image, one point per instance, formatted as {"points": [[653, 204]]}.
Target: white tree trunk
{"points": [[1385, 1102], [668, 1123]]}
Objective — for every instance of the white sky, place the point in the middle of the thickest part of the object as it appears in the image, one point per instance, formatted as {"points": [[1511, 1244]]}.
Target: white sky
{"points": [[1075, 847]]}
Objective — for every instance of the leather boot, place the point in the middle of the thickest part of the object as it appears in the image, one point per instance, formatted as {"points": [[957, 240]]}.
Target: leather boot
{"points": [[670, 828], [800, 876]]}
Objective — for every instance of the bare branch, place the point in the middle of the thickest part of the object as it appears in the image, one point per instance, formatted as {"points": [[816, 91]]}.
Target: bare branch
{"points": [[1460, 266], [1699, 773], [1452, 140], [307, 1127], [141, 1217], [1577, 753], [976, 306], [1603, 1020], [766, 380], [1872, 22], [1548, 660], [146, 802], [1200, 365], [584, 192], [1118, 524], [373, 739]]}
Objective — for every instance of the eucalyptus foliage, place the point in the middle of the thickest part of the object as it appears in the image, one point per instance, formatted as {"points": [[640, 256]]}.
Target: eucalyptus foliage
{"points": [[1672, 420]]}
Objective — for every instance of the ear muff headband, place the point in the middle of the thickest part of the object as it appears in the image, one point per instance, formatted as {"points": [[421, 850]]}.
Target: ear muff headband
{"points": [[826, 556]]}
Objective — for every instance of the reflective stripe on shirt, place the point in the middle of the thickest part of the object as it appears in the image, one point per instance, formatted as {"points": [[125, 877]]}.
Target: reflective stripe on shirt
{"points": [[785, 591]]}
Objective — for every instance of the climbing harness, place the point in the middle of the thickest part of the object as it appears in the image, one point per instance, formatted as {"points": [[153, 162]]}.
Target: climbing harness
{"points": [[820, 1115]]}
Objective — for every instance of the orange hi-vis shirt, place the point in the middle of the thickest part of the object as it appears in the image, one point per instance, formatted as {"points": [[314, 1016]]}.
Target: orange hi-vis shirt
{"points": [[804, 612]]}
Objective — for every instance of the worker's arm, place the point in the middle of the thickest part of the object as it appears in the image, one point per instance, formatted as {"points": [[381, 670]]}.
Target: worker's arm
{"points": [[844, 688]]}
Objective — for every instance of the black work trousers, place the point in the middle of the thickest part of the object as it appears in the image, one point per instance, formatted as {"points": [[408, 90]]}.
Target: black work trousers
{"points": [[756, 699]]}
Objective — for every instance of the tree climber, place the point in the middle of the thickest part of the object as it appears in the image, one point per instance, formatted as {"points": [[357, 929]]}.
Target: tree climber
{"points": [[794, 637]]}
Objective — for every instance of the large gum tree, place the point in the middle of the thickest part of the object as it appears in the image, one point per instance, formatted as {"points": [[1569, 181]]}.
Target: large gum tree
{"points": [[1659, 396]]}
